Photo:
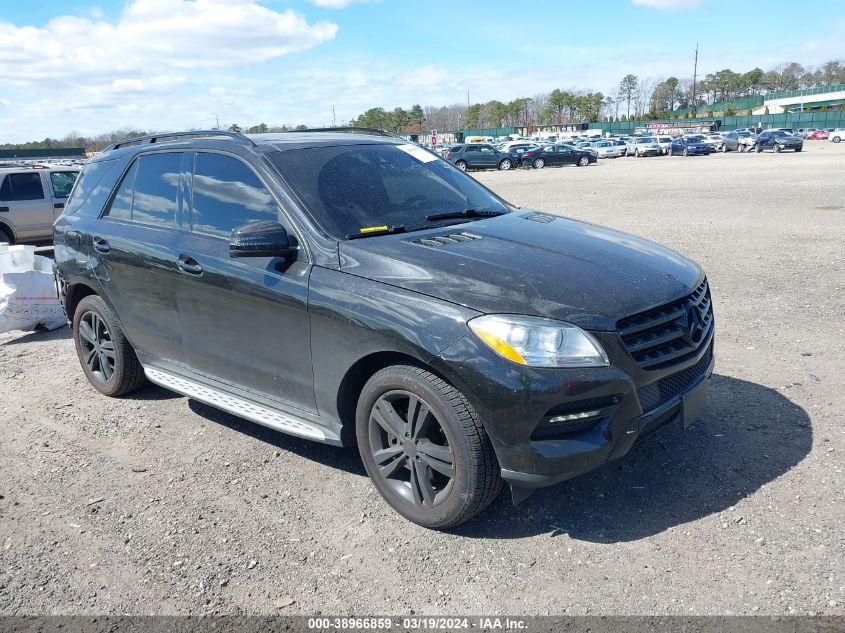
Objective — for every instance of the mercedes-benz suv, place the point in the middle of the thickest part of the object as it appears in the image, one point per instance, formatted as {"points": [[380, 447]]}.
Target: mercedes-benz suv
{"points": [[353, 288]]}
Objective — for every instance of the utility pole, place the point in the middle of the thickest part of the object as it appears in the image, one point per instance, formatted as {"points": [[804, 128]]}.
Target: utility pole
{"points": [[334, 121], [218, 122], [694, 77]]}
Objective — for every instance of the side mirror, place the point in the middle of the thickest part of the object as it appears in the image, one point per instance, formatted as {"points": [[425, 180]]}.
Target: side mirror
{"points": [[261, 239]]}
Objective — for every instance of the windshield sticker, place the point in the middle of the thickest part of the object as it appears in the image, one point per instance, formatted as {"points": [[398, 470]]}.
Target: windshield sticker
{"points": [[417, 152]]}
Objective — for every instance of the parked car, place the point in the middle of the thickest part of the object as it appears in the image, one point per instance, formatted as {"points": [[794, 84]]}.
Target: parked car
{"points": [[643, 146], [714, 141], [357, 290], [778, 140], [557, 155], [478, 156], [31, 198], [819, 135], [665, 143], [746, 139], [609, 149], [730, 142], [837, 134], [518, 149], [692, 145]]}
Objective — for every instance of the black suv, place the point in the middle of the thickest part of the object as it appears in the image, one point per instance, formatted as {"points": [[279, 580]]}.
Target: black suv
{"points": [[479, 156], [354, 288]]}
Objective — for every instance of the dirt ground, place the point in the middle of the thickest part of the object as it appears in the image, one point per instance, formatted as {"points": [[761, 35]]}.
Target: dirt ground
{"points": [[155, 504]]}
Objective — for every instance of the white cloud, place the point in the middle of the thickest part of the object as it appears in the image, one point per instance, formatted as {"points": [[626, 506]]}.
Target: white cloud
{"points": [[668, 5], [337, 4], [152, 36]]}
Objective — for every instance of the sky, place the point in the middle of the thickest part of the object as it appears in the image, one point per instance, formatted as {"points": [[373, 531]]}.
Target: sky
{"points": [[93, 66]]}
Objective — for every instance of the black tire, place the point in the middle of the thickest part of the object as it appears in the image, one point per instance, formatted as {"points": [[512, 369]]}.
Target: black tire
{"points": [[798, 149], [505, 164], [539, 163], [6, 235], [448, 426], [837, 139], [758, 149], [462, 165], [95, 325], [724, 148], [777, 148], [686, 152], [636, 153], [583, 161]]}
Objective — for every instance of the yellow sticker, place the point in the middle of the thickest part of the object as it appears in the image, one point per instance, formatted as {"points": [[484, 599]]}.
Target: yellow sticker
{"points": [[373, 229]]}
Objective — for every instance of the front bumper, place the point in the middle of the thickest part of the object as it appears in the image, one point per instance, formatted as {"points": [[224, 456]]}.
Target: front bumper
{"points": [[514, 400]]}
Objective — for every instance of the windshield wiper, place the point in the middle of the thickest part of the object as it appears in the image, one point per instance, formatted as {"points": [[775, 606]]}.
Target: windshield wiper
{"points": [[382, 230], [466, 213]]}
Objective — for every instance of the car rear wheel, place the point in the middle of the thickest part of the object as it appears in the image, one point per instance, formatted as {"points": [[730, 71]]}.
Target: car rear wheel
{"points": [[539, 163], [107, 358], [583, 161], [424, 447], [836, 139], [462, 165], [505, 164]]}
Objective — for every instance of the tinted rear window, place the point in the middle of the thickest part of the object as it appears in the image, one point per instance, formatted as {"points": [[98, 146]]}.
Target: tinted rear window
{"points": [[22, 186], [157, 188], [88, 179]]}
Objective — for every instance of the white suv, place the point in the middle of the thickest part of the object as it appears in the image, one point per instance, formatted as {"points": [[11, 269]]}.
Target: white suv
{"points": [[837, 135], [31, 198]]}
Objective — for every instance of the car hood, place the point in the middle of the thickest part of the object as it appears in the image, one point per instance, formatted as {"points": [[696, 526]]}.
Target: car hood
{"points": [[530, 263]]}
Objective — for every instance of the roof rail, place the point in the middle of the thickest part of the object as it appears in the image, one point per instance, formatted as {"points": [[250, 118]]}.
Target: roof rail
{"points": [[352, 130], [153, 138]]}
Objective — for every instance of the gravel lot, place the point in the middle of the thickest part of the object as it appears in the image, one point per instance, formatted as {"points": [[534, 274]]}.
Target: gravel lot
{"points": [[157, 504]]}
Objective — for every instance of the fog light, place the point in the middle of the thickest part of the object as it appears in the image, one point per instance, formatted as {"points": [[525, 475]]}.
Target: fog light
{"points": [[570, 417]]}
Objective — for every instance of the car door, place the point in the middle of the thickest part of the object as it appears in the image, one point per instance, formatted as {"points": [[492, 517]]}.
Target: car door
{"points": [[134, 254], [59, 183], [24, 205], [488, 157], [244, 320], [564, 155]]}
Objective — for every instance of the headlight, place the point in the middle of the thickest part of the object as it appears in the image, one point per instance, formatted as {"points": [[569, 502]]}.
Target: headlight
{"points": [[538, 342]]}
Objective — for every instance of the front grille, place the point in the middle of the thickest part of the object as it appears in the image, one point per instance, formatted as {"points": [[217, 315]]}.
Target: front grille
{"points": [[653, 395], [668, 335]]}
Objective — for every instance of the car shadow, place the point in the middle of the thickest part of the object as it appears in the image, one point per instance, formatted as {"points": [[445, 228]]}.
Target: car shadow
{"points": [[748, 436], [40, 336], [345, 459]]}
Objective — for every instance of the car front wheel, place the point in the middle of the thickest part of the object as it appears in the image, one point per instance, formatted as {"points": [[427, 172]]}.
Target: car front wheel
{"points": [[539, 163], [424, 447], [583, 161], [686, 152], [462, 165], [107, 358], [505, 164]]}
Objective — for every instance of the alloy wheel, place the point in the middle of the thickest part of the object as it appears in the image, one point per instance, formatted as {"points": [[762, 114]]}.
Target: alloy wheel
{"points": [[411, 449], [97, 346]]}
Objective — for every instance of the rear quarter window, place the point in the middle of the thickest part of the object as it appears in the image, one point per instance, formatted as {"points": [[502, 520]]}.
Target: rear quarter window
{"points": [[86, 183]]}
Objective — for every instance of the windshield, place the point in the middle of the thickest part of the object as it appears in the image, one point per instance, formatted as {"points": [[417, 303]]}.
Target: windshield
{"points": [[647, 140], [354, 187], [695, 139]]}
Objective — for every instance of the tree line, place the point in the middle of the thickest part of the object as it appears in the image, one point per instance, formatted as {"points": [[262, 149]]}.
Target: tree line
{"points": [[632, 97]]}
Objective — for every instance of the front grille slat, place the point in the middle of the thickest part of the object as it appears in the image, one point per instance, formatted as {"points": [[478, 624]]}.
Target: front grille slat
{"points": [[653, 395], [669, 334]]}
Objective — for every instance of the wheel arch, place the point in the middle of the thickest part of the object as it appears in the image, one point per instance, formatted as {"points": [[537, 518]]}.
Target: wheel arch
{"points": [[357, 376], [6, 228]]}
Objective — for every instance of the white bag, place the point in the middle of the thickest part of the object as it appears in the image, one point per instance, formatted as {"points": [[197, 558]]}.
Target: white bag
{"points": [[27, 291]]}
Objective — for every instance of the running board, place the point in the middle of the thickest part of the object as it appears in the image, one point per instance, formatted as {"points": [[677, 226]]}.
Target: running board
{"points": [[241, 407]]}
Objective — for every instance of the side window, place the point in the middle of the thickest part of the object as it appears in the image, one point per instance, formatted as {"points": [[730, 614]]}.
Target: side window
{"points": [[227, 194], [22, 186], [156, 199], [86, 182], [472, 149], [121, 204], [62, 182]]}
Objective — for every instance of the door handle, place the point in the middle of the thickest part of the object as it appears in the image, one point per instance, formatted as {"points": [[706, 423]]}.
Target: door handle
{"points": [[101, 245], [189, 265], [59, 205], [4, 209]]}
